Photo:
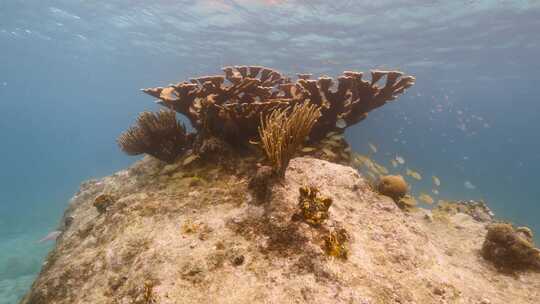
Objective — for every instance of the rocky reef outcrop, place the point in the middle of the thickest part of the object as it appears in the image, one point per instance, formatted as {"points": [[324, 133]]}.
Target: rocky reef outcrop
{"points": [[180, 233]]}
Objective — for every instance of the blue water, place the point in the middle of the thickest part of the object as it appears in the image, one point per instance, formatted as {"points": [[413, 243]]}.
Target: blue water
{"points": [[70, 72]]}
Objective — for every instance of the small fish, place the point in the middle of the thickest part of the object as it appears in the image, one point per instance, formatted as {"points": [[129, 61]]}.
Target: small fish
{"points": [[190, 159], [341, 123], [337, 137], [331, 143], [436, 181], [308, 149], [413, 174], [359, 159], [435, 191], [381, 169], [372, 147], [329, 152], [394, 163], [372, 176], [370, 165], [469, 185], [330, 134], [400, 160], [426, 198], [52, 236]]}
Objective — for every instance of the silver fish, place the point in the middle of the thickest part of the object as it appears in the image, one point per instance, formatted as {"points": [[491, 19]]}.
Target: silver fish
{"points": [[51, 236], [469, 185]]}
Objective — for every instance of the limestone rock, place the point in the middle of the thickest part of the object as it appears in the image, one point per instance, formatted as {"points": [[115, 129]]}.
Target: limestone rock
{"points": [[167, 240]]}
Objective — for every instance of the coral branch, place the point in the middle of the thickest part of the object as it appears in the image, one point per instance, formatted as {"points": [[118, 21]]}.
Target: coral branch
{"points": [[157, 134]]}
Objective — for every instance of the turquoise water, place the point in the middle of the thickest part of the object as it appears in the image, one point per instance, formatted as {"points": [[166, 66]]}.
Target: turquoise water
{"points": [[70, 74]]}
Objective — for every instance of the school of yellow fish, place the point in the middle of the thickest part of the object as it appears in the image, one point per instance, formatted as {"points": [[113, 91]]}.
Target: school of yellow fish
{"points": [[370, 167], [375, 170]]}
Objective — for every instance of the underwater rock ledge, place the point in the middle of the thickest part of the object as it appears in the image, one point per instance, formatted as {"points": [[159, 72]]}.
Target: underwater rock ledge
{"points": [[158, 233]]}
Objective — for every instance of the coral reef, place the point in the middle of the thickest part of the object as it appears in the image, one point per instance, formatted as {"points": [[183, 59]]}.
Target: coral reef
{"points": [[393, 186], [283, 131], [313, 207], [510, 249], [232, 111], [157, 134]]}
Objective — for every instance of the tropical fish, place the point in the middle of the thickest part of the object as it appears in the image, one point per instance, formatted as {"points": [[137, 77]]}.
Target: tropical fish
{"points": [[308, 149], [394, 163], [436, 181], [337, 137], [372, 176], [400, 160], [381, 169], [413, 174], [469, 185], [359, 159], [330, 134], [372, 147], [329, 152], [52, 236], [341, 123], [331, 143], [426, 198]]}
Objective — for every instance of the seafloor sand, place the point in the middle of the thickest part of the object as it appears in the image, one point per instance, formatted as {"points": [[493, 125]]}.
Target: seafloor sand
{"points": [[20, 261]]}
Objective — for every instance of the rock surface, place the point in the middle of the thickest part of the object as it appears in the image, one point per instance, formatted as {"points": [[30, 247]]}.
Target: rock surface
{"points": [[197, 236]]}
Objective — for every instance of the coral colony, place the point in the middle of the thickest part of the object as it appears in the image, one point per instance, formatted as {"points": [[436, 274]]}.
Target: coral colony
{"points": [[236, 107]]}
